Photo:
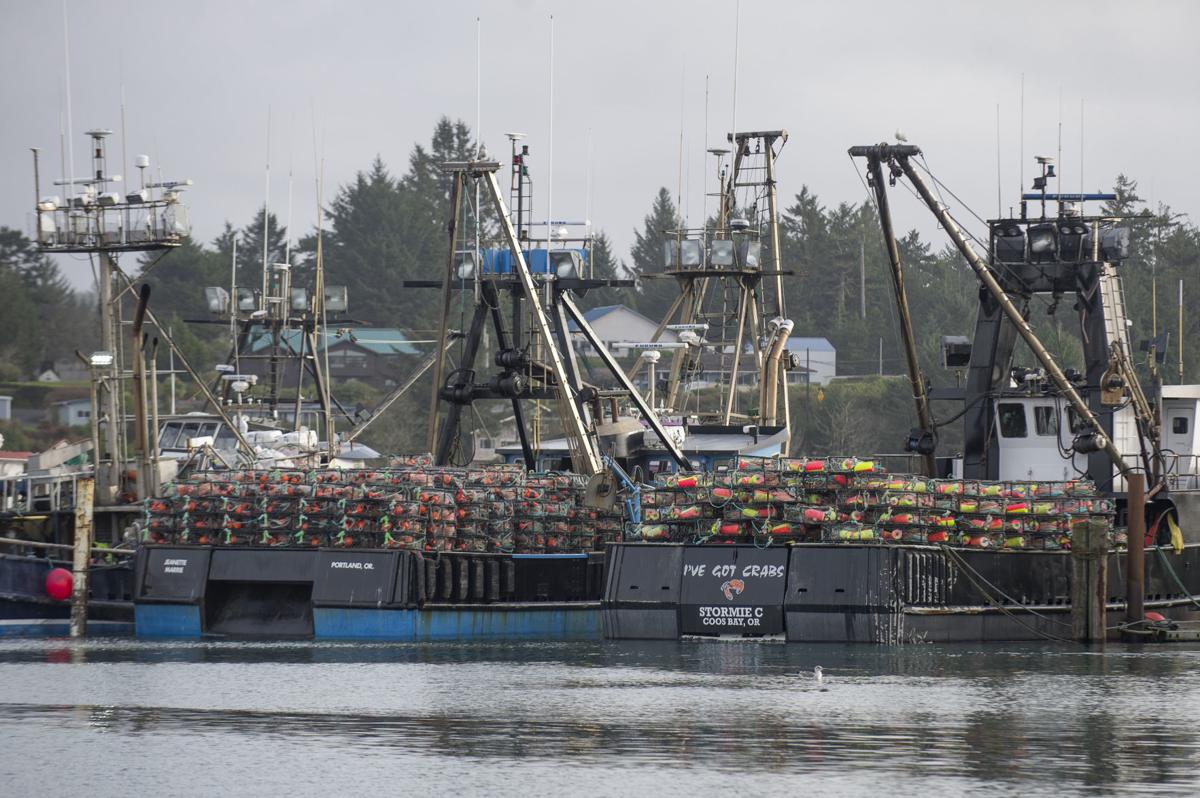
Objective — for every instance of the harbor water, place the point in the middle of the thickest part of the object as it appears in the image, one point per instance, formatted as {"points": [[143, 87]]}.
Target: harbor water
{"points": [[127, 717]]}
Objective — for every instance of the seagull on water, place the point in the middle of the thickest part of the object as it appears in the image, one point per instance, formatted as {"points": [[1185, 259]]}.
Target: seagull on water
{"points": [[817, 675]]}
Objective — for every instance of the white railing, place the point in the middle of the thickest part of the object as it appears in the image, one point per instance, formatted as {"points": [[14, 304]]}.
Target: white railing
{"points": [[157, 222], [25, 494], [1182, 471]]}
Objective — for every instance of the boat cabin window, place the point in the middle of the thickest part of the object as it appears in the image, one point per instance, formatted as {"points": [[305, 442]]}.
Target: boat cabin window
{"points": [[225, 439], [1045, 419], [1012, 421], [168, 435], [1179, 425], [1076, 423]]}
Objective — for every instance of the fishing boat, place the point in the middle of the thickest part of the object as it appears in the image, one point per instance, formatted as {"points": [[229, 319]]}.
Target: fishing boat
{"points": [[1029, 431]]}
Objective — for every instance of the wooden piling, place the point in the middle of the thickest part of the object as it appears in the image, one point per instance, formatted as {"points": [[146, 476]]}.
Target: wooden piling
{"points": [[1089, 580], [1135, 552], [85, 494]]}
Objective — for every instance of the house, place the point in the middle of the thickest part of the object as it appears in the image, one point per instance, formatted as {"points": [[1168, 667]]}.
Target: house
{"points": [[377, 356], [617, 324], [72, 412], [817, 358], [5, 408], [70, 369], [13, 463]]}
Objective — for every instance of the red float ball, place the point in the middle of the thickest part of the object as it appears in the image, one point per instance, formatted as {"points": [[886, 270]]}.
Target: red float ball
{"points": [[59, 583]]}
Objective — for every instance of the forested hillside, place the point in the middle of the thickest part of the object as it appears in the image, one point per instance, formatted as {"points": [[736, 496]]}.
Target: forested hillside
{"points": [[385, 227]]}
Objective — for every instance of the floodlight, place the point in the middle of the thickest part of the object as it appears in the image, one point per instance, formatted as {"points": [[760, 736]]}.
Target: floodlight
{"points": [[101, 359], [565, 263], [246, 300], [671, 254], [49, 204], [956, 351], [749, 254], [108, 199], [299, 299], [217, 299], [691, 252], [224, 368], [720, 252], [137, 197], [466, 265], [1114, 243], [336, 298], [1042, 244], [1071, 235], [1009, 243]]}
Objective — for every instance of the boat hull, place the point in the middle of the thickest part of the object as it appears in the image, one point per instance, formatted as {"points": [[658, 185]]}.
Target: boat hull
{"points": [[878, 594], [366, 594], [26, 610]]}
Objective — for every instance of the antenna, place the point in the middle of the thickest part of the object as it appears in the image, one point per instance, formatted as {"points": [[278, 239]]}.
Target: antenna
{"points": [[478, 82], [1081, 145], [266, 214], [550, 145], [704, 209], [67, 63], [999, 200], [587, 199], [1021, 158], [233, 312], [1059, 159], [679, 167], [1180, 347], [124, 153], [287, 241], [737, 27]]}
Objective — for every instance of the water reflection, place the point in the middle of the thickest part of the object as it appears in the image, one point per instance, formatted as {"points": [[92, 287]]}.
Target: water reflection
{"points": [[1020, 716]]}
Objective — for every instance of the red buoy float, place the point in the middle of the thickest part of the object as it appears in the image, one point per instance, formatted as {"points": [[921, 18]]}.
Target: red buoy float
{"points": [[59, 583]]}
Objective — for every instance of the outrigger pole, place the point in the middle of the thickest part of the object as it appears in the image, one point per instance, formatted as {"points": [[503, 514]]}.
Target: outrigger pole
{"points": [[898, 156], [915, 375]]}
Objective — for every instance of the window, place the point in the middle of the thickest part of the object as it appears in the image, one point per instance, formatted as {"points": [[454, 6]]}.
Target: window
{"points": [[225, 439], [1179, 425], [1076, 423], [1045, 419], [1012, 421], [168, 436]]}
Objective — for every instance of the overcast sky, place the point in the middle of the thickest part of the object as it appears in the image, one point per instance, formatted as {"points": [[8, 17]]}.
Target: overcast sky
{"points": [[199, 77]]}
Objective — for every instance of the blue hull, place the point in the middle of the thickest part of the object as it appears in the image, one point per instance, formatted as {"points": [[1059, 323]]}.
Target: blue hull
{"points": [[491, 622]]}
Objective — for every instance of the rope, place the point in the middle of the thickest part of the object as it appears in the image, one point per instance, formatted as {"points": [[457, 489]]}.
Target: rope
{"points": [[1175, 577], [975, 578]]}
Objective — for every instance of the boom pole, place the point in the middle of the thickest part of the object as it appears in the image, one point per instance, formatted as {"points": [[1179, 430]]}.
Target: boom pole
{"points": [[901, 155], [916, 377]]}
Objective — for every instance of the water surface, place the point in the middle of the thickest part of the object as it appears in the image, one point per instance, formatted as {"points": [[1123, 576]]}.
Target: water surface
{"points": [[128, 717]]}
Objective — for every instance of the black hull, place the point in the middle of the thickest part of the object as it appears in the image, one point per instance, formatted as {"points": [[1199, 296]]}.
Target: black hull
{"points": [[869, 594], [26, 609], [195, 591]]}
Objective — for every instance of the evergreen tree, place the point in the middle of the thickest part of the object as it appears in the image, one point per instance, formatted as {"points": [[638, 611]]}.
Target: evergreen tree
{"points": [[605, 267], [655, 291]]}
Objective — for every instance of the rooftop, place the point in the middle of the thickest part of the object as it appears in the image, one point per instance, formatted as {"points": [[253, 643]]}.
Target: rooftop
{"points": [[381, 340], [800, 344]]}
